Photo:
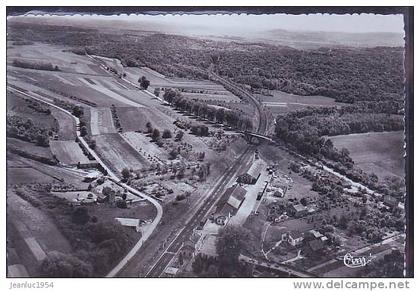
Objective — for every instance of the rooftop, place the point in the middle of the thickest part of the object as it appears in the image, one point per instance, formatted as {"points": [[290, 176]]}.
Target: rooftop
{"points": [[296, 234], [237, 196], [256, 169], [299, 207], [132, 222]]}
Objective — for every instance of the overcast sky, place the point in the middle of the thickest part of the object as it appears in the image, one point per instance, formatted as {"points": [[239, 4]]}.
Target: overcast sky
{"points": [[237, 24]]}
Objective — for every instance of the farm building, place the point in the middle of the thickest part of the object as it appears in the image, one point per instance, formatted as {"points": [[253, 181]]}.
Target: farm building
{"points": [[91, 176], [171, 271], [237, 196], [130, 222], [297, 210], [314, 234], [254, 172]]}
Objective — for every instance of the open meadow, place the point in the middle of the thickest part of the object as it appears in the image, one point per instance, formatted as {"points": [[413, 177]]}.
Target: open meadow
{"points": [[282, 102], [381, 153]]}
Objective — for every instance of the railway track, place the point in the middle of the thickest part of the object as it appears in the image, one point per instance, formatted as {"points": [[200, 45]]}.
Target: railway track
{"points": [[175, 245]]}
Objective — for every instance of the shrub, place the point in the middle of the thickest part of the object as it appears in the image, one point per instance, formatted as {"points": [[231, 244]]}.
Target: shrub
{"points": [[59, 265], [166, 134], [180, 197], [80, 215]]}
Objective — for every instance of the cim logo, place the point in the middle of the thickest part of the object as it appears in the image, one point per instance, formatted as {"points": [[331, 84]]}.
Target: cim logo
{"points": [[356, 261]]}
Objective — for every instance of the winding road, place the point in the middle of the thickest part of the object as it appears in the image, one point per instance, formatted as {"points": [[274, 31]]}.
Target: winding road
{"points": [[147, 230]]}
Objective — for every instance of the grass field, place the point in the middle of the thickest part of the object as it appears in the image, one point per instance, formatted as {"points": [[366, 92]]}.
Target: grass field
{"points": [[282, 102], [66, 125], [381, 153], [30, 147], [68, 152], [66, 61], [26, 175], [143, 145], [23, 170], [158, 80], [132, 118], [18, 106], [117, 152]]}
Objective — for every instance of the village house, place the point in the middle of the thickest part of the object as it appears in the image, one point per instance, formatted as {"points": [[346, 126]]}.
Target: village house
{"points": [[130, 222], [293, 237], [237, 196], [297, 210]]}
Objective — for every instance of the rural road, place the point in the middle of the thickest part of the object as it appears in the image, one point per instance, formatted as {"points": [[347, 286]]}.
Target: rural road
{"points": [[148, 230], [366, 250], [283, 268]]}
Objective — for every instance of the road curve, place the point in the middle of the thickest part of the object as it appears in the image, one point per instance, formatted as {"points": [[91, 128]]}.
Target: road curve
{"points": [[262, 119], [150, 227]]}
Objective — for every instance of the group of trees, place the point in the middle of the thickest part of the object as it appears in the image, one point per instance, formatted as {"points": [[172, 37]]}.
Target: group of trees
{"points": [[38, 106], [231, 242], [25, 129], [392, 265], [143, 82], [212, 113], [156, 135], [59, 265], [36, 66], [305, 129], [200, 130]]}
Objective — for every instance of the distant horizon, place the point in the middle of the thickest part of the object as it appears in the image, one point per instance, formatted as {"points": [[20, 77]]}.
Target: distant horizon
{"points": [[245, 25]]}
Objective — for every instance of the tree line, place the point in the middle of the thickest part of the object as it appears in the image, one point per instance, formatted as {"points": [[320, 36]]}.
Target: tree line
{"points": [[212, 113]]}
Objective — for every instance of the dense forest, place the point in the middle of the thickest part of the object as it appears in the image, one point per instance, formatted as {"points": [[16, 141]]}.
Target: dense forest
{"points": [[345, 74], [306, 129]]}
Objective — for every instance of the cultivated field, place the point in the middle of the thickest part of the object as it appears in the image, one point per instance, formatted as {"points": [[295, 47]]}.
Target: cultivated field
{"points": [[202, 90], [381, 153], [118, 153], [101, 121], [68, 152]]}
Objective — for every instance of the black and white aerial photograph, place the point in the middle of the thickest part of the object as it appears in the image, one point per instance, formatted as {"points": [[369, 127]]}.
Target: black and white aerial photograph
{"points": [[208, 143]]}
